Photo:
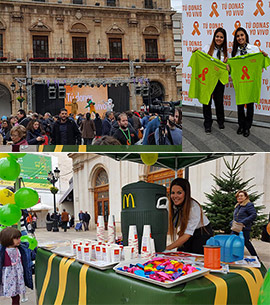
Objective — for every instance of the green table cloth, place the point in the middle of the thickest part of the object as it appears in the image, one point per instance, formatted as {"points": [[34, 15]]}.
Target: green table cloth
{"points": [[61, 280]]}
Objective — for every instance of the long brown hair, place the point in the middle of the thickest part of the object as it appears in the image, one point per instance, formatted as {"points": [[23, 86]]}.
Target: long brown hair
{"points": [[185, 208], [235, 42], [224, 45]]}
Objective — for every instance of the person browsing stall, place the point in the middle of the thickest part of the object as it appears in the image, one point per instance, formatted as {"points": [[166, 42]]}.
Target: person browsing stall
{"points": [[188, 225], [244, 215]]}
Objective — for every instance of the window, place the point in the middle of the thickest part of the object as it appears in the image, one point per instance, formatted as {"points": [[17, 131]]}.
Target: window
{"points": [[79, 47], [111, 2], [39, 0], [77, 1], [102, 178], [40, 46], [1, 46], [115, 45], [148, 3], [151, 48]]}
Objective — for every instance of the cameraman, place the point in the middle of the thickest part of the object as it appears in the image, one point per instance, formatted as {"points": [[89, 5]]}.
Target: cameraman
{"points": [[173, 134], [34, 130]]}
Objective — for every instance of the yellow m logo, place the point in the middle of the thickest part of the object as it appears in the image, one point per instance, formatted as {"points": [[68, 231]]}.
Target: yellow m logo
{"points": [[126, 200]]}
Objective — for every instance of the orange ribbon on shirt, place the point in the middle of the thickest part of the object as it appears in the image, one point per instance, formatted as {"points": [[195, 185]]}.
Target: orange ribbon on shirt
{"points": [[196, 28], [204, 72], [236, 25], [259, 9], [245, 74], [214, 10]]}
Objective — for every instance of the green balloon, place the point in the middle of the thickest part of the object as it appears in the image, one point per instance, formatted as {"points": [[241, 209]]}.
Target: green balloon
{"points": [[9, 169], [26, 197], [31, 240], [264, 295], [16, 156], [10, 214]]}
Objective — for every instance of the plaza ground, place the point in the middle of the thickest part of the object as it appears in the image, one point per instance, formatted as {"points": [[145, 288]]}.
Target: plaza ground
{"points": [[42, 235]]}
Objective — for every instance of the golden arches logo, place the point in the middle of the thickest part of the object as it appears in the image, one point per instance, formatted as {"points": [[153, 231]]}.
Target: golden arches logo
{"points": [[126, 200]]}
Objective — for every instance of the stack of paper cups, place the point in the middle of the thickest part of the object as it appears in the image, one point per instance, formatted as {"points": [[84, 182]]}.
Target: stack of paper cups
{"points": [[111, 230], [128, 253], [106, 253], [100, 228], [147, 231], [133, 239], [153, 248], [86, 253]]}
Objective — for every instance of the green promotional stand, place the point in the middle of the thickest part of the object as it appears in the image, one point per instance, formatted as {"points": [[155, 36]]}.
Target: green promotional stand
{"points": [[60, 280]]}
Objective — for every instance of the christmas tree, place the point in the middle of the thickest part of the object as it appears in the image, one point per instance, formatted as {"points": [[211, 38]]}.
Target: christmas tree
{"points": [[222, 199]]}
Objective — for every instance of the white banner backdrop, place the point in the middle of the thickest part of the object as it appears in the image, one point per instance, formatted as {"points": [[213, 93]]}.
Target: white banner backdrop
{"points": [[201, 18]]}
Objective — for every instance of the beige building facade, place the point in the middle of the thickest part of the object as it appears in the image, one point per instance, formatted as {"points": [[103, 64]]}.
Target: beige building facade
{"points": [[85, 43]]}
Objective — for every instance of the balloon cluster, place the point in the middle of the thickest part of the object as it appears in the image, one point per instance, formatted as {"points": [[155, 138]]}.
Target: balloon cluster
{"points": [[10, 211]]}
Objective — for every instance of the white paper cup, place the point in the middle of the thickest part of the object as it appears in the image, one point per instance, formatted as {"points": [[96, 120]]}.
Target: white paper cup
{"points": [[79, 251], [128, 252], [100, 221], [152, 245], [98, 251], [106, 253], [132, 232], [115, 254], [87, 253], [147, 231]]}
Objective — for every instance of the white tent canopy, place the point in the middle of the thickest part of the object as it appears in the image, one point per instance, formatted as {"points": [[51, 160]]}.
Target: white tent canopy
{"points": [[40, 207]]}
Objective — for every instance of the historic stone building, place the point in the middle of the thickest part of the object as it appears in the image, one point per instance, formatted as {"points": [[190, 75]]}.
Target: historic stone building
{"points": [[48, 44]]}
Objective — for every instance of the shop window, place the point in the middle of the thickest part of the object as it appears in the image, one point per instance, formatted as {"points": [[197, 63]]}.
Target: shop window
{"points": [[79, 47], [115, 45], [151, 48], [111, 2], [40, 47]]}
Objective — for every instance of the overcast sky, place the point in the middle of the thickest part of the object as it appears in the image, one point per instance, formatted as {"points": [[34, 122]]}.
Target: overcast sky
{"points": [[177, 5]]}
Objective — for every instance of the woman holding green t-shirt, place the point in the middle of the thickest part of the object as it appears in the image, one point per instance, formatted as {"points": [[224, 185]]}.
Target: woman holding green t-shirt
{"points": [[241, 46], [217, 49]]}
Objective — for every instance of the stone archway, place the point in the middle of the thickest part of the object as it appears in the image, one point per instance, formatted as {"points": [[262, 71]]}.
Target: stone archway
{"points": [[5, 101]]}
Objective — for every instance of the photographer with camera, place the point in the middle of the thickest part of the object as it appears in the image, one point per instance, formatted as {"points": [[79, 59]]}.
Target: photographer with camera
{"points": [[34, 130], [160, 130], [173, 133]]}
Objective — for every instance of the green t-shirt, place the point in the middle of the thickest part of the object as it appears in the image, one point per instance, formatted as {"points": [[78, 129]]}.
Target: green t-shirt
{"points": [[206, 72], [246, 74]]}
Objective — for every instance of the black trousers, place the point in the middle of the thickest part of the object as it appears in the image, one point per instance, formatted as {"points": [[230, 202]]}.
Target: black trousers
{"points": [[245, 120], [197, 240], [248, 243], [218, 97]]}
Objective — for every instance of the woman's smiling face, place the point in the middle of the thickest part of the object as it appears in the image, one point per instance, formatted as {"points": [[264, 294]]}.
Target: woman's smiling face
{"points": [[241, 38], [177, 195]]}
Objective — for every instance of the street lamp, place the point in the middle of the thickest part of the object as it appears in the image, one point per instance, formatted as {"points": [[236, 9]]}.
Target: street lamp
{"points": [[20, 99], [53, 178]]}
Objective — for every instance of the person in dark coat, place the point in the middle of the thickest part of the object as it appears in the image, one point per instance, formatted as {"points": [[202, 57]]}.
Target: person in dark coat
{"points": [[88, 129], [34, 130], [82, 219], [107, 123], [245, 214], [87, 220], [65, 131], [98, 125], [23, 119]]}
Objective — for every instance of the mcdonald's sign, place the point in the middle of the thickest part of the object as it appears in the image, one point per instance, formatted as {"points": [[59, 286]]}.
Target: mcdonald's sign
{"points": [[126, 199]]}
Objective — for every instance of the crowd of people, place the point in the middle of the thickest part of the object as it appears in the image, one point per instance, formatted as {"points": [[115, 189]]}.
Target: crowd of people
{"points": [[126, 128]]}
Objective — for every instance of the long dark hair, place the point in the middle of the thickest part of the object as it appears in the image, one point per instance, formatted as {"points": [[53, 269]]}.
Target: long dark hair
{"points": [[87, 116], [30, 126], [224, 45], [235, 43], [185, 207]]}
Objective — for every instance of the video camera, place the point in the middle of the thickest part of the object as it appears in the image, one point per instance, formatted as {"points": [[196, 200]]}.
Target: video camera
{"points": [[163, 109]]}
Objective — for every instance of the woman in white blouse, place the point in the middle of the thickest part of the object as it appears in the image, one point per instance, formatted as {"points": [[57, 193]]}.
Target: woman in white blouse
{"points": [[188, 226], [218, 50]]}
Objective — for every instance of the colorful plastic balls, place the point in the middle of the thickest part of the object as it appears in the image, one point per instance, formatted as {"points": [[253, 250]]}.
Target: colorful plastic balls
{"points": [[26, 197], [9, 169], [16, 156], [149, 159], [31, 241], [10, 214], [6, 196]]}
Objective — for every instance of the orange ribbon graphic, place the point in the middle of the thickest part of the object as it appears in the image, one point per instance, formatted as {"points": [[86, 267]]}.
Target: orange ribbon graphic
{"points": [[236, 25], [204, 72], [196, 28], [214, 10], [259, 9], [245, 74], [257, 43]]}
